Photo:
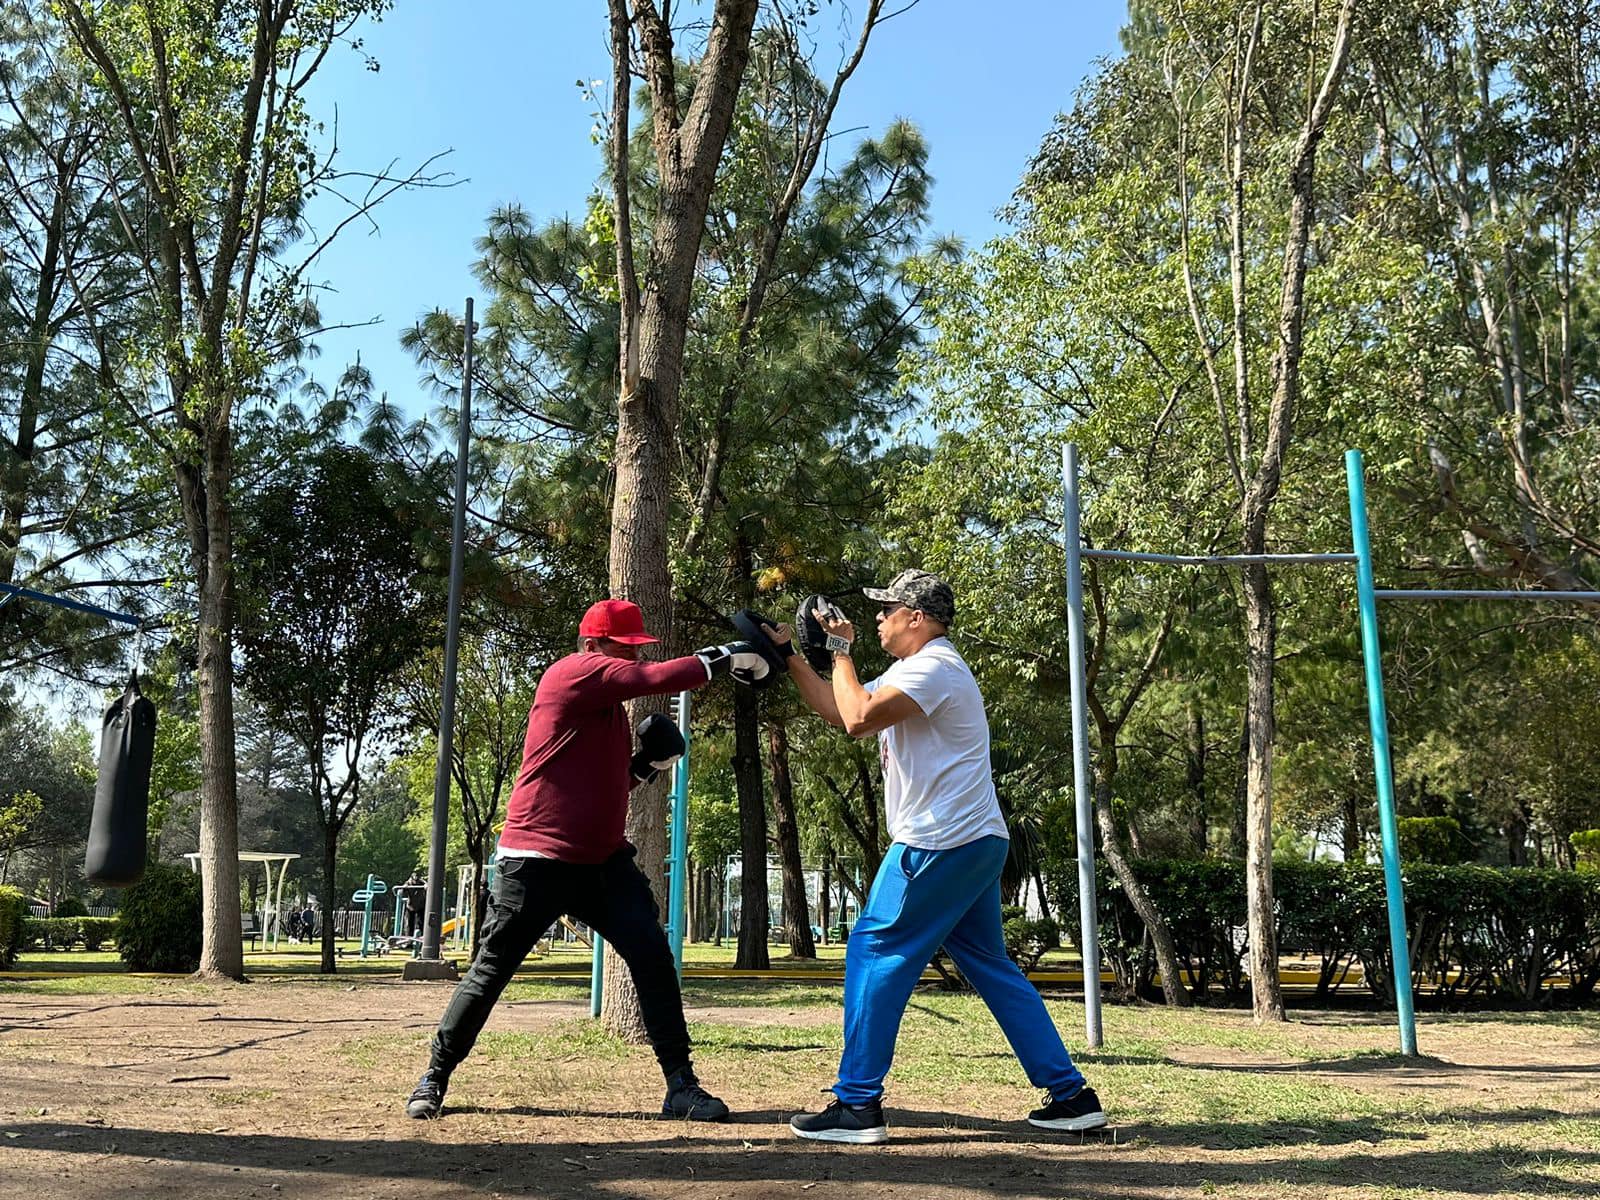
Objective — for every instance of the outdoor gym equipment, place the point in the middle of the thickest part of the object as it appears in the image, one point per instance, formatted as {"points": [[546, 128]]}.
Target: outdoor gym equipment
{"points": [[364, 897], [1367, 596], [677, 865]]}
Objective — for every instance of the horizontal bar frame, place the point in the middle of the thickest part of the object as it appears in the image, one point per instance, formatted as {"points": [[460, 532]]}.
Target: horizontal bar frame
{"points": [[1216, 560], [1469, 594]]}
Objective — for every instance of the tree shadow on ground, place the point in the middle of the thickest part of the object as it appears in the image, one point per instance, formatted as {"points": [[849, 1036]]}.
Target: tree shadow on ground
{"points": [[926, 1151]]}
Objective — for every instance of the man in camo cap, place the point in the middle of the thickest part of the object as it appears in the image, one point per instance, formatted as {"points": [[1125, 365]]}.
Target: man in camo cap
{"points": [[939, 885]]}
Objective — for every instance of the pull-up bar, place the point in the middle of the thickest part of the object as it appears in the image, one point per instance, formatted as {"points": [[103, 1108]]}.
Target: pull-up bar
{"points": [[1471, 594], [1377, 711], [1214, 560]]}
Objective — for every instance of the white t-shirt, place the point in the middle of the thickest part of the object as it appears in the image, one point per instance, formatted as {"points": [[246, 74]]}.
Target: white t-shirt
{"points": [[938, 790]]}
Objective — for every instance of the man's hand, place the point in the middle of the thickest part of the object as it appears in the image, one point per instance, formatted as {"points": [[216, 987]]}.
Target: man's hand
{"points": [[841, 634], [782, 637], [660, 746]]}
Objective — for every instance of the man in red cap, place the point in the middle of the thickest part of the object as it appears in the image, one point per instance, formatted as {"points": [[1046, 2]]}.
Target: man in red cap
{"points": [[563, 850]]}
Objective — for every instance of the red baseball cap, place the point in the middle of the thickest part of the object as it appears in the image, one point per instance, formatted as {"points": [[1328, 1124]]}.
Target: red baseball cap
{"points": [[618, 620]]}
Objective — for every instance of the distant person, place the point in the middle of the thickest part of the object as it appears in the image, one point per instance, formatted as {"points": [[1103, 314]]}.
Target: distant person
{"points": [[563, 849], [414, 899]]}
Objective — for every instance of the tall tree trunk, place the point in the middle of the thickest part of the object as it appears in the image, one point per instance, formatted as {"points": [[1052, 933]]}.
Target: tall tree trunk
{"points": [[208, 515], [1352, 827], [1255, 510], [330, 856], [796, 910], [1261, 921], [1173, 990], [688, 144], [19, 470], [1195, 778], [1239, 822], [753, 901], [824, 899], [1517, 837]]}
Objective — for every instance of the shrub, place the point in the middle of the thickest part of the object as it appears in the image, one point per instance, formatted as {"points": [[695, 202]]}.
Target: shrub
{"points": [[1028, 940], [96, 931], [70, 907], [12, 907], [159, 927]]}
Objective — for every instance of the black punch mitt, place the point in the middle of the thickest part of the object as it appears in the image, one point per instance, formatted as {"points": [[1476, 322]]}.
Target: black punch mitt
{"points": [[810, 636], [750, 624]]}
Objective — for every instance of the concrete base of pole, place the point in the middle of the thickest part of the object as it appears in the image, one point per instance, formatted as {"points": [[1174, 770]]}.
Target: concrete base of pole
{"points": [[430, 968]]}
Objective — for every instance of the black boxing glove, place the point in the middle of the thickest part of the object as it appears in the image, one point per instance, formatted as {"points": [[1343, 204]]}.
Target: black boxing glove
{"points": [[660, 746], [739, 659]]}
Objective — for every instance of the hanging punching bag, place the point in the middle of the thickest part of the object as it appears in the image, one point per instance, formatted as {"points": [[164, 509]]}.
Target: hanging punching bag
{"points": [[122, 793]]}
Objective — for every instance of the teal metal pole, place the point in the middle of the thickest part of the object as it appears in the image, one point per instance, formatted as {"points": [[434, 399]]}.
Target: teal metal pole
{"points": [[366, 915], [678, 864], [1378, 715], [597, 974]]}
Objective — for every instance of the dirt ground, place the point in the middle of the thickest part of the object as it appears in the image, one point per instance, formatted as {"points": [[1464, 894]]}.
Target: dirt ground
{"points": [[296, 1089]]}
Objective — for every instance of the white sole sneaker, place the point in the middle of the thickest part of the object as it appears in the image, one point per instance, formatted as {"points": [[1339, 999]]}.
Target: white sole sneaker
{"points": [[855, 1137], [1073, 1124]]}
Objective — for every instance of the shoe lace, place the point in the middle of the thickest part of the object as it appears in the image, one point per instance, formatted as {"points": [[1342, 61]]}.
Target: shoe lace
{"points": [[691, 1090], [429, 1085]]}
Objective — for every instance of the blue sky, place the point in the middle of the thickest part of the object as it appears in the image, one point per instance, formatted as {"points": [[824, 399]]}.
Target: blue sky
{"points": [[495, 83]]}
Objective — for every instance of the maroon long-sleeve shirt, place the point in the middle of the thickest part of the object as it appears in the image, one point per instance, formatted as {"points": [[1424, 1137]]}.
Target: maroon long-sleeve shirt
{"points": [[571, 797]]}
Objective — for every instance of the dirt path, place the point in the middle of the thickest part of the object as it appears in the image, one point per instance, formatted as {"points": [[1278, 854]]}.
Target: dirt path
{"points": [[294, 1090]]}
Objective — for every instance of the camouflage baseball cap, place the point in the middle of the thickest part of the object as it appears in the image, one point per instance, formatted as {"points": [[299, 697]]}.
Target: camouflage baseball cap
{"points": [[919, 589]]}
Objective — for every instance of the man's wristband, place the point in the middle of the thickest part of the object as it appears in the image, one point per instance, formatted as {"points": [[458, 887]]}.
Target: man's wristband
{"points": [[838, 645]]}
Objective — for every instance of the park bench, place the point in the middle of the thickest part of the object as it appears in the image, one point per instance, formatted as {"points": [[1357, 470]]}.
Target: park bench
{"points": [[250, 927]]}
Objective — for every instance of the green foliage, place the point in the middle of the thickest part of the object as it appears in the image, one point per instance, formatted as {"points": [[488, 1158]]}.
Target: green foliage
{"points": [[1027, 941], [1586, 845], [18, 812], [159, 925], [71, 906], [1436, 840], [13, 909]]}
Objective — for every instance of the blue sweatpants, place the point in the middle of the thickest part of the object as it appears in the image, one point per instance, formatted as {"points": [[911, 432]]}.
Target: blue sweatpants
{"points": [[920, 900]]}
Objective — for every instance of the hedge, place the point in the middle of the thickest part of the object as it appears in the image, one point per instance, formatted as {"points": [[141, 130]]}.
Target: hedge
{"points": [[1475, 931], [62, 933]]}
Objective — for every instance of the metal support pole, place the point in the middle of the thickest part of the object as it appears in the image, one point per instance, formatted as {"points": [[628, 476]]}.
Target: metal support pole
{"points": [[678, 864], [1088, 918], [1378, 716], [597, 973], [447, 702]]}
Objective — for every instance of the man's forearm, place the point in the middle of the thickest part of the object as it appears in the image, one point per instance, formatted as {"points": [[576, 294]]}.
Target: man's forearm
{"points": [[814, 690], [848, 695]]}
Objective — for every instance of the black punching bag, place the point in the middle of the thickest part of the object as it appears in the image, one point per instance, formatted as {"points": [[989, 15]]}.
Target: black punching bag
{"points": [[122, 794]]}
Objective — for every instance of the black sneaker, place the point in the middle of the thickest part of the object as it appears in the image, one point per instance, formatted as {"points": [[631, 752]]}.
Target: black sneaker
{"points": [[1079, 1112], [860, 1124], [427, 1098], [687, 1099]]}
